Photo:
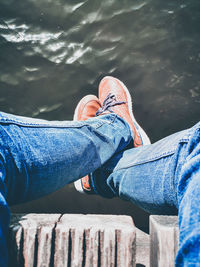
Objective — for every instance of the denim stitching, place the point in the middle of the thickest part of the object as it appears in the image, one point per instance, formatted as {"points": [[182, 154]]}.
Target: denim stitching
{"points": [[49, 125], [24, 124], [39, 125], [165, 154], [146, 161]]}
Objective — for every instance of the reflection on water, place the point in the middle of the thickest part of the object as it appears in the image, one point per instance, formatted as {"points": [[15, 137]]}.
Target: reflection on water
{"points": [[54, 52]]}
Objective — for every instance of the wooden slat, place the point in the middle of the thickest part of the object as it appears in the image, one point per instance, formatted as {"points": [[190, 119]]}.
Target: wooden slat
{"points": [[142, 248], [45, 240], [31, 239], [95, 239], [163, 240]]}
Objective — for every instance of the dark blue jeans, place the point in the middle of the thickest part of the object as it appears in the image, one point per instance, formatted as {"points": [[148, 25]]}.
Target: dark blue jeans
{"points": [[162, 178], [39, 157]]}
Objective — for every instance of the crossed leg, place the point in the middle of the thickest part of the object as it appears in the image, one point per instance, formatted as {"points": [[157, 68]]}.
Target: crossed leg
{"points": [[163, 178]]}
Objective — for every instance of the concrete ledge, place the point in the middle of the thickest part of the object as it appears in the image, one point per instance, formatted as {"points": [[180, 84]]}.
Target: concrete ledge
{"points": [[71, 240], [163, 240], [55, 240], [142, 249]]}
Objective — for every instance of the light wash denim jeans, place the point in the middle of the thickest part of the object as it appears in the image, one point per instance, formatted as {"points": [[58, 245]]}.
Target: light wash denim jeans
{"points": [[38, 157]]}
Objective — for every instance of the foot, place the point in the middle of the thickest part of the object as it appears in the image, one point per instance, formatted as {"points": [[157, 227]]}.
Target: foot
{"points": [[86, 108], [115, 97]]}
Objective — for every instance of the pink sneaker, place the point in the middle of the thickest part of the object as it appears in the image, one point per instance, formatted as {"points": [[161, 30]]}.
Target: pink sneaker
{"points": [[86, 108], [115, 97]]}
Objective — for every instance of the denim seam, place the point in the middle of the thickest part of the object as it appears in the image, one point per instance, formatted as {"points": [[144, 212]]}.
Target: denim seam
{"points": [[49, 125], [165, 154], [144, 161], [168, 153], [22, 124]]}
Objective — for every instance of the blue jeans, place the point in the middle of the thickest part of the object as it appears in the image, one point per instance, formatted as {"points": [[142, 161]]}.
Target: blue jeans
{"points": [[38, 157]]}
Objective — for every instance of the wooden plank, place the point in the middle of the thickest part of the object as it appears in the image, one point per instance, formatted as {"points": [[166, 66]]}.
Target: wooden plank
{"points": [[163, 240], [142, 248], [44, 240], [31, 237], [100, 240]]}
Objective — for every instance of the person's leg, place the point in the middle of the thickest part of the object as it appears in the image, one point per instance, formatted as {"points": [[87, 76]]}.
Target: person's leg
{"points": [[161, 178], [42, 156], [188, 205], [38, 157], [114, 97]]}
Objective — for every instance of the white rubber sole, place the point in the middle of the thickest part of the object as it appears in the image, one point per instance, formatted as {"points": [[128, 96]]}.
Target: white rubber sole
{"points": [[141, 132], [78, 186]]}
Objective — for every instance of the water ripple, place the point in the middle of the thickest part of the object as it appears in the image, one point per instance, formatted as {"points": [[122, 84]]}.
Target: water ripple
{"points": [[56, 51]]}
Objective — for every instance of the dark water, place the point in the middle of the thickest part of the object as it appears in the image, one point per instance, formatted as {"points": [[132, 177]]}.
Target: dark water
{"points": [[53, 52]]}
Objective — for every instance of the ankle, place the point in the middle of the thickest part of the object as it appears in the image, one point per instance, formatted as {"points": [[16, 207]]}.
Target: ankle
{"points": [[98, 183]]}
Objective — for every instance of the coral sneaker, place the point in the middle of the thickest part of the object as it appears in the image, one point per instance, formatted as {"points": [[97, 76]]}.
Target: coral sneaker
{"points": [[86, 108], [115, 97]]}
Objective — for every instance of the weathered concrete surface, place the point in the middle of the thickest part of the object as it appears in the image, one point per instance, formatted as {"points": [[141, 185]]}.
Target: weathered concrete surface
{"points": [[31, 239], [142, 248], [90, 240], [71, 240], [163, 240]]}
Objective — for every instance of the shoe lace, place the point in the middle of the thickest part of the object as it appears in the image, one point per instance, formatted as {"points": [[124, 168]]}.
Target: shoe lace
{"points": [[110, 101]]}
